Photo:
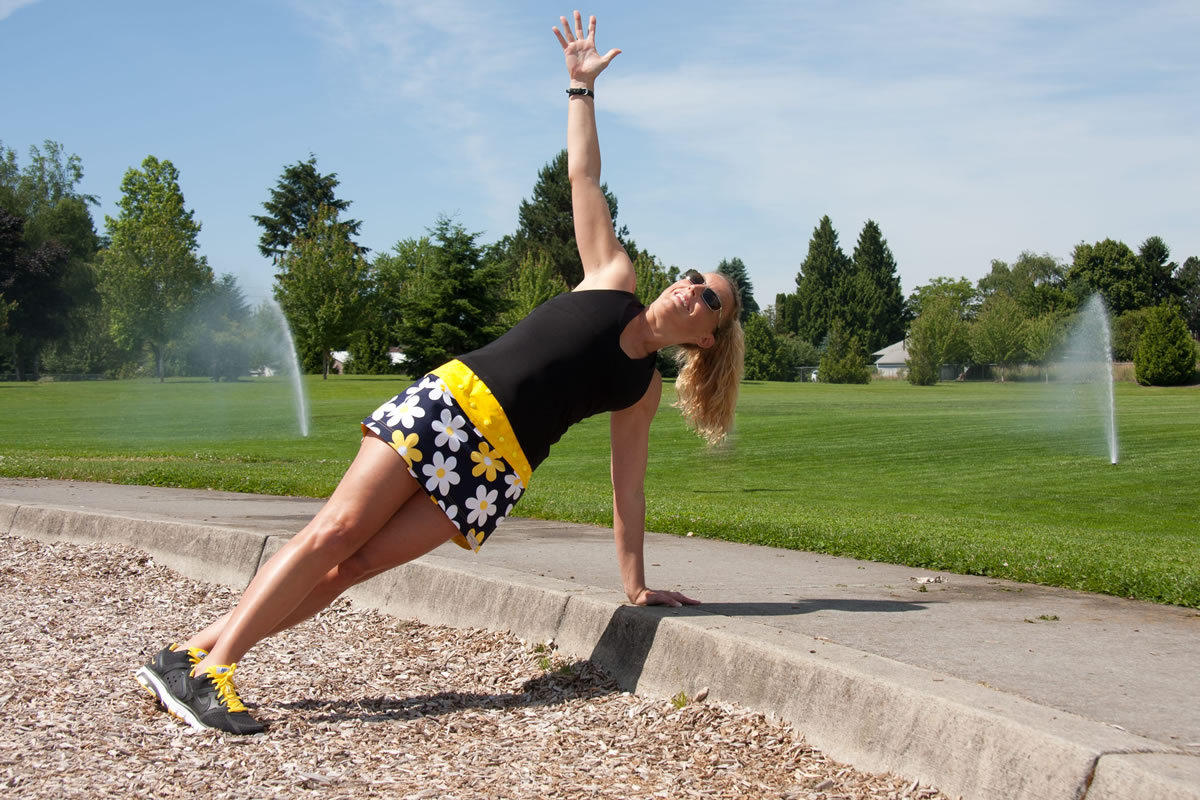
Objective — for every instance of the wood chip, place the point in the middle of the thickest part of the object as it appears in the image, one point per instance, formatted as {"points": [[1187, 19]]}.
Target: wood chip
{"points": [[360, 704]]}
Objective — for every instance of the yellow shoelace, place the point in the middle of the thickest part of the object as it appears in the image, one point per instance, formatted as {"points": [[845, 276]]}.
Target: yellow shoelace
{"points": [[225, 688]]}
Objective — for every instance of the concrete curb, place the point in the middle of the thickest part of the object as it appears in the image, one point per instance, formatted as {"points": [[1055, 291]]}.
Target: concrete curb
{"points": [[866, 710]]}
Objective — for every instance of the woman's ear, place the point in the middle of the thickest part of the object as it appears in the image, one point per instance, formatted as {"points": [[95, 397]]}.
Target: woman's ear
{"points": [[705, 341]]}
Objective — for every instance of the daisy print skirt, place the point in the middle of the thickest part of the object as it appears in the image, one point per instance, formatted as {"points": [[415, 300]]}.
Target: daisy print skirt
{"points": [[459, 446]]}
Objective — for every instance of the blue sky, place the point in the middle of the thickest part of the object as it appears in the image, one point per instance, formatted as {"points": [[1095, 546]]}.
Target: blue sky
{"points": [[968, 130]]}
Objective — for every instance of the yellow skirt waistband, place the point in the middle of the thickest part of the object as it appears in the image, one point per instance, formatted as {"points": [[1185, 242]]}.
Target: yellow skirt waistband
{"points": [[481, 406]]}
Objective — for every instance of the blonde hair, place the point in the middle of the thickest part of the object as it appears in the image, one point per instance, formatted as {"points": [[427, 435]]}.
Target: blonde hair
{"points": [[707, 386]]}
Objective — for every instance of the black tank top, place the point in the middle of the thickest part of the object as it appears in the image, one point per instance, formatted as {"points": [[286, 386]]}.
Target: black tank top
{"points": [[563, 363]]}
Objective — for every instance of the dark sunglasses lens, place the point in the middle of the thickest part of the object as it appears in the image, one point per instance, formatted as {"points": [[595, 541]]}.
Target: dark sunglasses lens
{"points": [[693, 276], [711, 299]]}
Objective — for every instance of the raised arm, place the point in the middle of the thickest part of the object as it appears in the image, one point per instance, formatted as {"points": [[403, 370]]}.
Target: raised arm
{"points": [[605, 263]]}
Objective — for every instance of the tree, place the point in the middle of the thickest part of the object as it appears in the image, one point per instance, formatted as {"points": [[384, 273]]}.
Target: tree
{"points": [[735, 270], [961, 294], [1127, 333], [821, 283], [998, 335], [451, 304], [1187, 279], [845, 359], [938, 336], [1155, 258], [876, 300], [216, 342], [1110, 268], [49, 243], [322, 285], [1166, 355], [652, 278], [795, 353], [1043, 336], [786, 318], [535, 281], [152, 272], [546, 223], [1037, 283], [293, 207], [762, 350]]}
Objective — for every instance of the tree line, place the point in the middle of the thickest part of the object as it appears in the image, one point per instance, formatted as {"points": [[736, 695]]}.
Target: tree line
{"points": [[846, 307], [140, 299]]}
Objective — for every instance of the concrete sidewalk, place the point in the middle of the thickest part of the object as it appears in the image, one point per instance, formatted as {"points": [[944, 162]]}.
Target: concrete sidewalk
{"points": [[982, 688]]}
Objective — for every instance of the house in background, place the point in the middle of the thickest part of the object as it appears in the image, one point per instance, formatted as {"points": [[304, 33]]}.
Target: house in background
{"points": [[340, 358], [890, 361]]}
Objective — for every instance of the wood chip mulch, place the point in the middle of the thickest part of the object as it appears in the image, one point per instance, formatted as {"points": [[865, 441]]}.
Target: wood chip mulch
{"points": [[360, 705]]}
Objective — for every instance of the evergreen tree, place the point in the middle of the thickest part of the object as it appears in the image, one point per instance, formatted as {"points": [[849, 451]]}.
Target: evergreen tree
{"points": [[787, 314], [452, 304], [1187, 279], [762, 350], [295, 201], [1155, 258], [546, 222], [878, 300], [322, 286], [735, 269], [822, 283], [1166, 354], [152, 272], [845, 359]]}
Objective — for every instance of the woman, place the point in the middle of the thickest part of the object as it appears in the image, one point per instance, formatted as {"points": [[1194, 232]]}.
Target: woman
{"points": [[468, 436]]}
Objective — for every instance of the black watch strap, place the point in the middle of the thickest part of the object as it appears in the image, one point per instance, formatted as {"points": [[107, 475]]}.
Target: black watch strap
{"points": [[585, 92]]}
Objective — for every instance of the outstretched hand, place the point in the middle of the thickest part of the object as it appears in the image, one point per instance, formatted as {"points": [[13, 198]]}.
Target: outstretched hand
{"points": [[584, 63], [652, 597]]}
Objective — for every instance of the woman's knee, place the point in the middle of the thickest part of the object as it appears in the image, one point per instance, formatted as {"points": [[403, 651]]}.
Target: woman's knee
{"points": [[336, 534]]}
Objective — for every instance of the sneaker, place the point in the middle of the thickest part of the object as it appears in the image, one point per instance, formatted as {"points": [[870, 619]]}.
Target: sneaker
{"points": [[166, 674], [211, 701]]}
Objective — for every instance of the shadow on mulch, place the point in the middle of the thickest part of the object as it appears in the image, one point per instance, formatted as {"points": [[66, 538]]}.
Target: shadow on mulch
{"points": [[580, 680]]}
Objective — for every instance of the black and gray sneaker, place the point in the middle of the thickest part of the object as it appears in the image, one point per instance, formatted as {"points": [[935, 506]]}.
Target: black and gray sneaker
{"points": [[211, 701], [166, 674], [208, 701]]}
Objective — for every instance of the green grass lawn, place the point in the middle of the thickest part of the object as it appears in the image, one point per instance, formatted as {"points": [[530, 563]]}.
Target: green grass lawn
{"points": [[1008, 480]]}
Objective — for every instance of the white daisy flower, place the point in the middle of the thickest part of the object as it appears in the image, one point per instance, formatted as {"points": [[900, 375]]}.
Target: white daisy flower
{"points": [[439, 391], [482, 505], [515, 487], [451, 431], [441, 473], [405, 413], [385, 409], [450, 512]]}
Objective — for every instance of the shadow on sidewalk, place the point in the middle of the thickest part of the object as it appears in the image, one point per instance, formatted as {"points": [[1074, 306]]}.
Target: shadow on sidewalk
{"points": [[627, 639]]}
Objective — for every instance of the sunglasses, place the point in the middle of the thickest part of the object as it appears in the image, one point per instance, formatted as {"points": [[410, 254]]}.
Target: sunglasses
{"points": [[710, 297]]}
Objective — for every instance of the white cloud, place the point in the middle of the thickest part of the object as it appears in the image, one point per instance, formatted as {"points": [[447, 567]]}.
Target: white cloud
{"points": [[968, 134], [9, 7]]}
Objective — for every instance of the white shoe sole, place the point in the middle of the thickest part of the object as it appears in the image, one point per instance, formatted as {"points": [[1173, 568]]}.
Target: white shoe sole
{"points": [[154, 684]]}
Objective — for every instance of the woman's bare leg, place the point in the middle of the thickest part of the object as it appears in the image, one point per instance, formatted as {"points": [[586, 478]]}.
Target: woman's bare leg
{"points": [[418, 527], [375, 487]]}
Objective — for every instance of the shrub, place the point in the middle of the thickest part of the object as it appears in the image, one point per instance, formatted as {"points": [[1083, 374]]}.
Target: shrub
{"points": [[1166, 354], [845, 359]]}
